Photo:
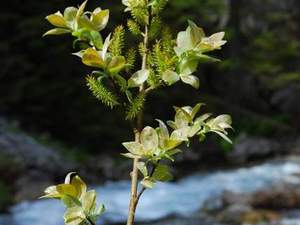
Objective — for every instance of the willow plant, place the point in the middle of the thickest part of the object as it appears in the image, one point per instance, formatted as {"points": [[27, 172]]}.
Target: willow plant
{"points": [[162, 61]]}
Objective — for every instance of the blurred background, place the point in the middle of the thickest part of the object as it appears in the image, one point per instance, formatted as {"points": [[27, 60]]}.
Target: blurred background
{"points": [[50, 124]]}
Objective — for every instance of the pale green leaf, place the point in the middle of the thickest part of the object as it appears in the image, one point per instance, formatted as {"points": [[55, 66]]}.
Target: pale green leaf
{"points": [[57, 20], [138, 78], [191, 80], [74, 216], [142, 168], [133, 147], [170, 77], [100, 18], [92, 58], [116, 64], [57, 31], [89, 200], [162, 173], [148, 183], [149, 138]]}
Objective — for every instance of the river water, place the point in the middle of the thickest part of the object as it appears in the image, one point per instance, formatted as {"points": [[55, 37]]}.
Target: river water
{"points": [[182, 198]]}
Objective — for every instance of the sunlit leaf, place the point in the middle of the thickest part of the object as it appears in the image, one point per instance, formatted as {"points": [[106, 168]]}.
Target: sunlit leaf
{"points": [[149, 138], [57, 31], [57, 20], [100, 18], [92, 58], [148, 183], [133, 147], [170, 77], [191, 80], [142, 168], [89, 200], [138, 78], [116, 64]]}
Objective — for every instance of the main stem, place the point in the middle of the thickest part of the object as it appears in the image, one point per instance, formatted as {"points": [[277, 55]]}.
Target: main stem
{"points": [[134, 198]]}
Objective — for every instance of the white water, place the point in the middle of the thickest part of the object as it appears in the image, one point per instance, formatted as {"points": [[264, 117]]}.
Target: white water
{"points": [[182, 198]]}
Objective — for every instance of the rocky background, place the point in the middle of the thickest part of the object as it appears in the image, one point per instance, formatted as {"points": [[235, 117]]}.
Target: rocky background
{"points": [[50, 124]]}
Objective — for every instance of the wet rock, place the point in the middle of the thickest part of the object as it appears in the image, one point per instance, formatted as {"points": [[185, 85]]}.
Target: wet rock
{"points": [[234, 214], [27, 165], [282, 196], [278, 197], [250, 148], [28, 153], [244, 214]]}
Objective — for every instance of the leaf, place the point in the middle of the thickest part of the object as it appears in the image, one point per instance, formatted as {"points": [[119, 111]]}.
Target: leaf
{"points": [[223, 136], [191, 80], [149, 138], [170, 77], [224, 121], [195, 129], [129, 155], [142, 168], [105, 46], [100, 18], [196, 109], [162, 173], [181, 134], [184, 42], [70, 201], [57, 20], [56, 31], [96, 39], [89, 200], [148, 182], [138, 78], [203, 117], [173, 151], [182, 118], [51, 192], [74, 216], [80, 10], [197, 33], [79, 185], [116, 64], [67, 189], [163, 130], [70, 16], [188, 65], [92, 58], [134, 147]]}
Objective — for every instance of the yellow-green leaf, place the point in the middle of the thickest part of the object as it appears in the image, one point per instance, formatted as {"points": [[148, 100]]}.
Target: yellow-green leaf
{"points": [[74, 216], [66, 189], [100, 18], [57, 31], [57, 20], [89, 200], [116, 64], [92, 58], [149, 138]]}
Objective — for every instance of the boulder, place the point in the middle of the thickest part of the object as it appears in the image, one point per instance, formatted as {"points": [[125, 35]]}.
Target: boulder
{"points": [[248, 148]]}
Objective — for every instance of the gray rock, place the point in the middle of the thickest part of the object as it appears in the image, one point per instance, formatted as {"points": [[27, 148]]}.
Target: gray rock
{"points": [[234, 214], [247, 148]]}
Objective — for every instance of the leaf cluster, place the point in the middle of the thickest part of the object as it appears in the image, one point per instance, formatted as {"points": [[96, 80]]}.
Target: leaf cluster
{"points": [[157, 144], [81, 208]]}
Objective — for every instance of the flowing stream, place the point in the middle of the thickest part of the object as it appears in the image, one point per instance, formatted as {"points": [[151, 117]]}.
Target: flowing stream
{"points": [[182, 198]]}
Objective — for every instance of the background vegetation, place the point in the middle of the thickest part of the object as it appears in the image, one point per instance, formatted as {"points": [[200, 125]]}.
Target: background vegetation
{"points": [[258, 82]]}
